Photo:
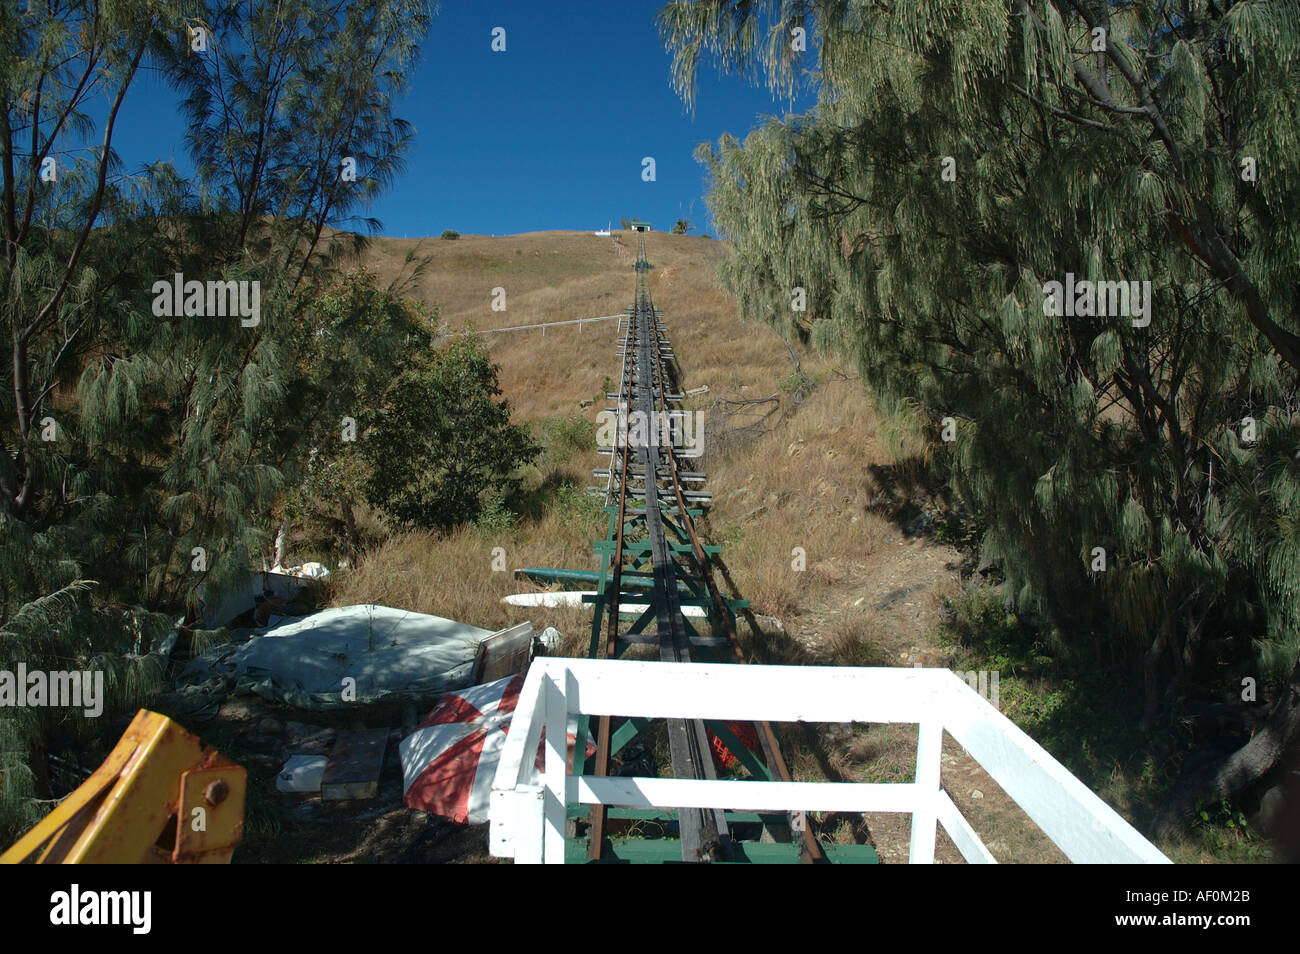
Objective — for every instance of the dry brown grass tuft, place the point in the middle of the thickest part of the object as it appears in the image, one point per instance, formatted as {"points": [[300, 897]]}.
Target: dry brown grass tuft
{"points": [[884, 753], [454, 575], [857, 638], [803, 485]]}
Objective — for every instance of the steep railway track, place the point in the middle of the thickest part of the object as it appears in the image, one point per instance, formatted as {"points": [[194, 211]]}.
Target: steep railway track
{"points": [[652, 522]]}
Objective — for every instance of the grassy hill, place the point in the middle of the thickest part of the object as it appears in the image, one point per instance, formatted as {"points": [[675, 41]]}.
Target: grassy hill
{"points": [[789, 472]]}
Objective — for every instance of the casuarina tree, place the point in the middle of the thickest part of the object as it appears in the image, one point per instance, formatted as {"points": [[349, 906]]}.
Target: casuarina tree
{"points": [[1061, 236]]}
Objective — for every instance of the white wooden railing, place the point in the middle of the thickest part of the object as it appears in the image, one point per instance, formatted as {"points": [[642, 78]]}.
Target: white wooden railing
{"points": [[528, 807]]}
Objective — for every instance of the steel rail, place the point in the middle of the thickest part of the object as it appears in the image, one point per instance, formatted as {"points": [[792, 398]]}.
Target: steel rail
{"points": [[703, 834], [811, 851], [599, 813], [643, 386]]}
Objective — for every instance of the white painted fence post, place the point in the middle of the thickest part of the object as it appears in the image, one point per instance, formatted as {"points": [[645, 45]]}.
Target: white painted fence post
{"points": [[557, 722], [925, 816]]}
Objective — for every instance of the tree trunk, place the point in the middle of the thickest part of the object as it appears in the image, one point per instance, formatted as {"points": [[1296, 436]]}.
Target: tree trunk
{"points": [[40, 766], [352, 542], [1151, 680], [281, 535], [1277, 741]]}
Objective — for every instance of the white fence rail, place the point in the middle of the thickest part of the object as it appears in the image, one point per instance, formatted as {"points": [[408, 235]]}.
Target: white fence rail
{"points": [[528, 807]]}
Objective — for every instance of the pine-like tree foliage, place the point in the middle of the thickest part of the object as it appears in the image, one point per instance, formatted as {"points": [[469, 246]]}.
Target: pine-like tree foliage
{"points": [[42, 634], [294, 89], [1118, 161], [146, 451]]}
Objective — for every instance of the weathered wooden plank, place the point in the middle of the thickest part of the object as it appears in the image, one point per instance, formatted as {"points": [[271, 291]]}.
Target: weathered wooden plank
{"points": [[506, 653]]}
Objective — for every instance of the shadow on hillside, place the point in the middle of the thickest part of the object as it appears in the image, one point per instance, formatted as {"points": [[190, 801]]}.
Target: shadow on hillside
{"points": [[909, 494], [773, 647], [533, 503], [1084, 712], [915, 496]]}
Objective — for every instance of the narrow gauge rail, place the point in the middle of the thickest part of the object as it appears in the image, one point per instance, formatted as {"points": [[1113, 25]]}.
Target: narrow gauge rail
{"points": [[651, 522]]}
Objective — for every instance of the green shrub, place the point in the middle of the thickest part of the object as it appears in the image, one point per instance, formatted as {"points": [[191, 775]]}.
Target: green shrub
{"points": [[496, 517], [565, 436], [441, 444], [572, 501]]}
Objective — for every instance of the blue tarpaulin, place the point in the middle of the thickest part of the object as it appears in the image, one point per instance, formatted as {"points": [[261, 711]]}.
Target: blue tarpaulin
{"points": [[343, 656]]}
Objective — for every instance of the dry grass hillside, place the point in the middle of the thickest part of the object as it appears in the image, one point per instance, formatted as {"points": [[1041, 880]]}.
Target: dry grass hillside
{"points": [[791, 472], [557, 276]]}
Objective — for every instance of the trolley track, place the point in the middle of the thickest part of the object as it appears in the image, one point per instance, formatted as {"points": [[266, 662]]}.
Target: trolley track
{"points": [[644, 489]]}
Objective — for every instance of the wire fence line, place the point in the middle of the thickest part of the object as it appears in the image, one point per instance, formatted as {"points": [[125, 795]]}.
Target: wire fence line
{"points": [[544, 324]]}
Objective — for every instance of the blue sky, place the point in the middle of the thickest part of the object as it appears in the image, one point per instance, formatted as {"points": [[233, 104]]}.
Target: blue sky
{"points": [[549, 134]]}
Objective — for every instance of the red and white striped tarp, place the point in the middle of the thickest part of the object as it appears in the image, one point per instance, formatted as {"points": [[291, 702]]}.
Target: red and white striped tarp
{"points": [[448, 762]]}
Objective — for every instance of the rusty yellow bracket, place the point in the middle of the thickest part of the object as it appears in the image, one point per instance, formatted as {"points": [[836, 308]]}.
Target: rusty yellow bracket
{"points": [[160, 796]]}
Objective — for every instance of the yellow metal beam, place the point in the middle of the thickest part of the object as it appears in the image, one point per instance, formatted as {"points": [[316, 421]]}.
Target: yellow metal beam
{"points": [[160, 796]]}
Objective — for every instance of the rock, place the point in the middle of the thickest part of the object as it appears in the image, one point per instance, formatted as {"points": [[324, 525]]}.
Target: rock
{"points": [[270, 726], [859, 601], [976, 793], [236, 710], [770, 624], [585, 403]]}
